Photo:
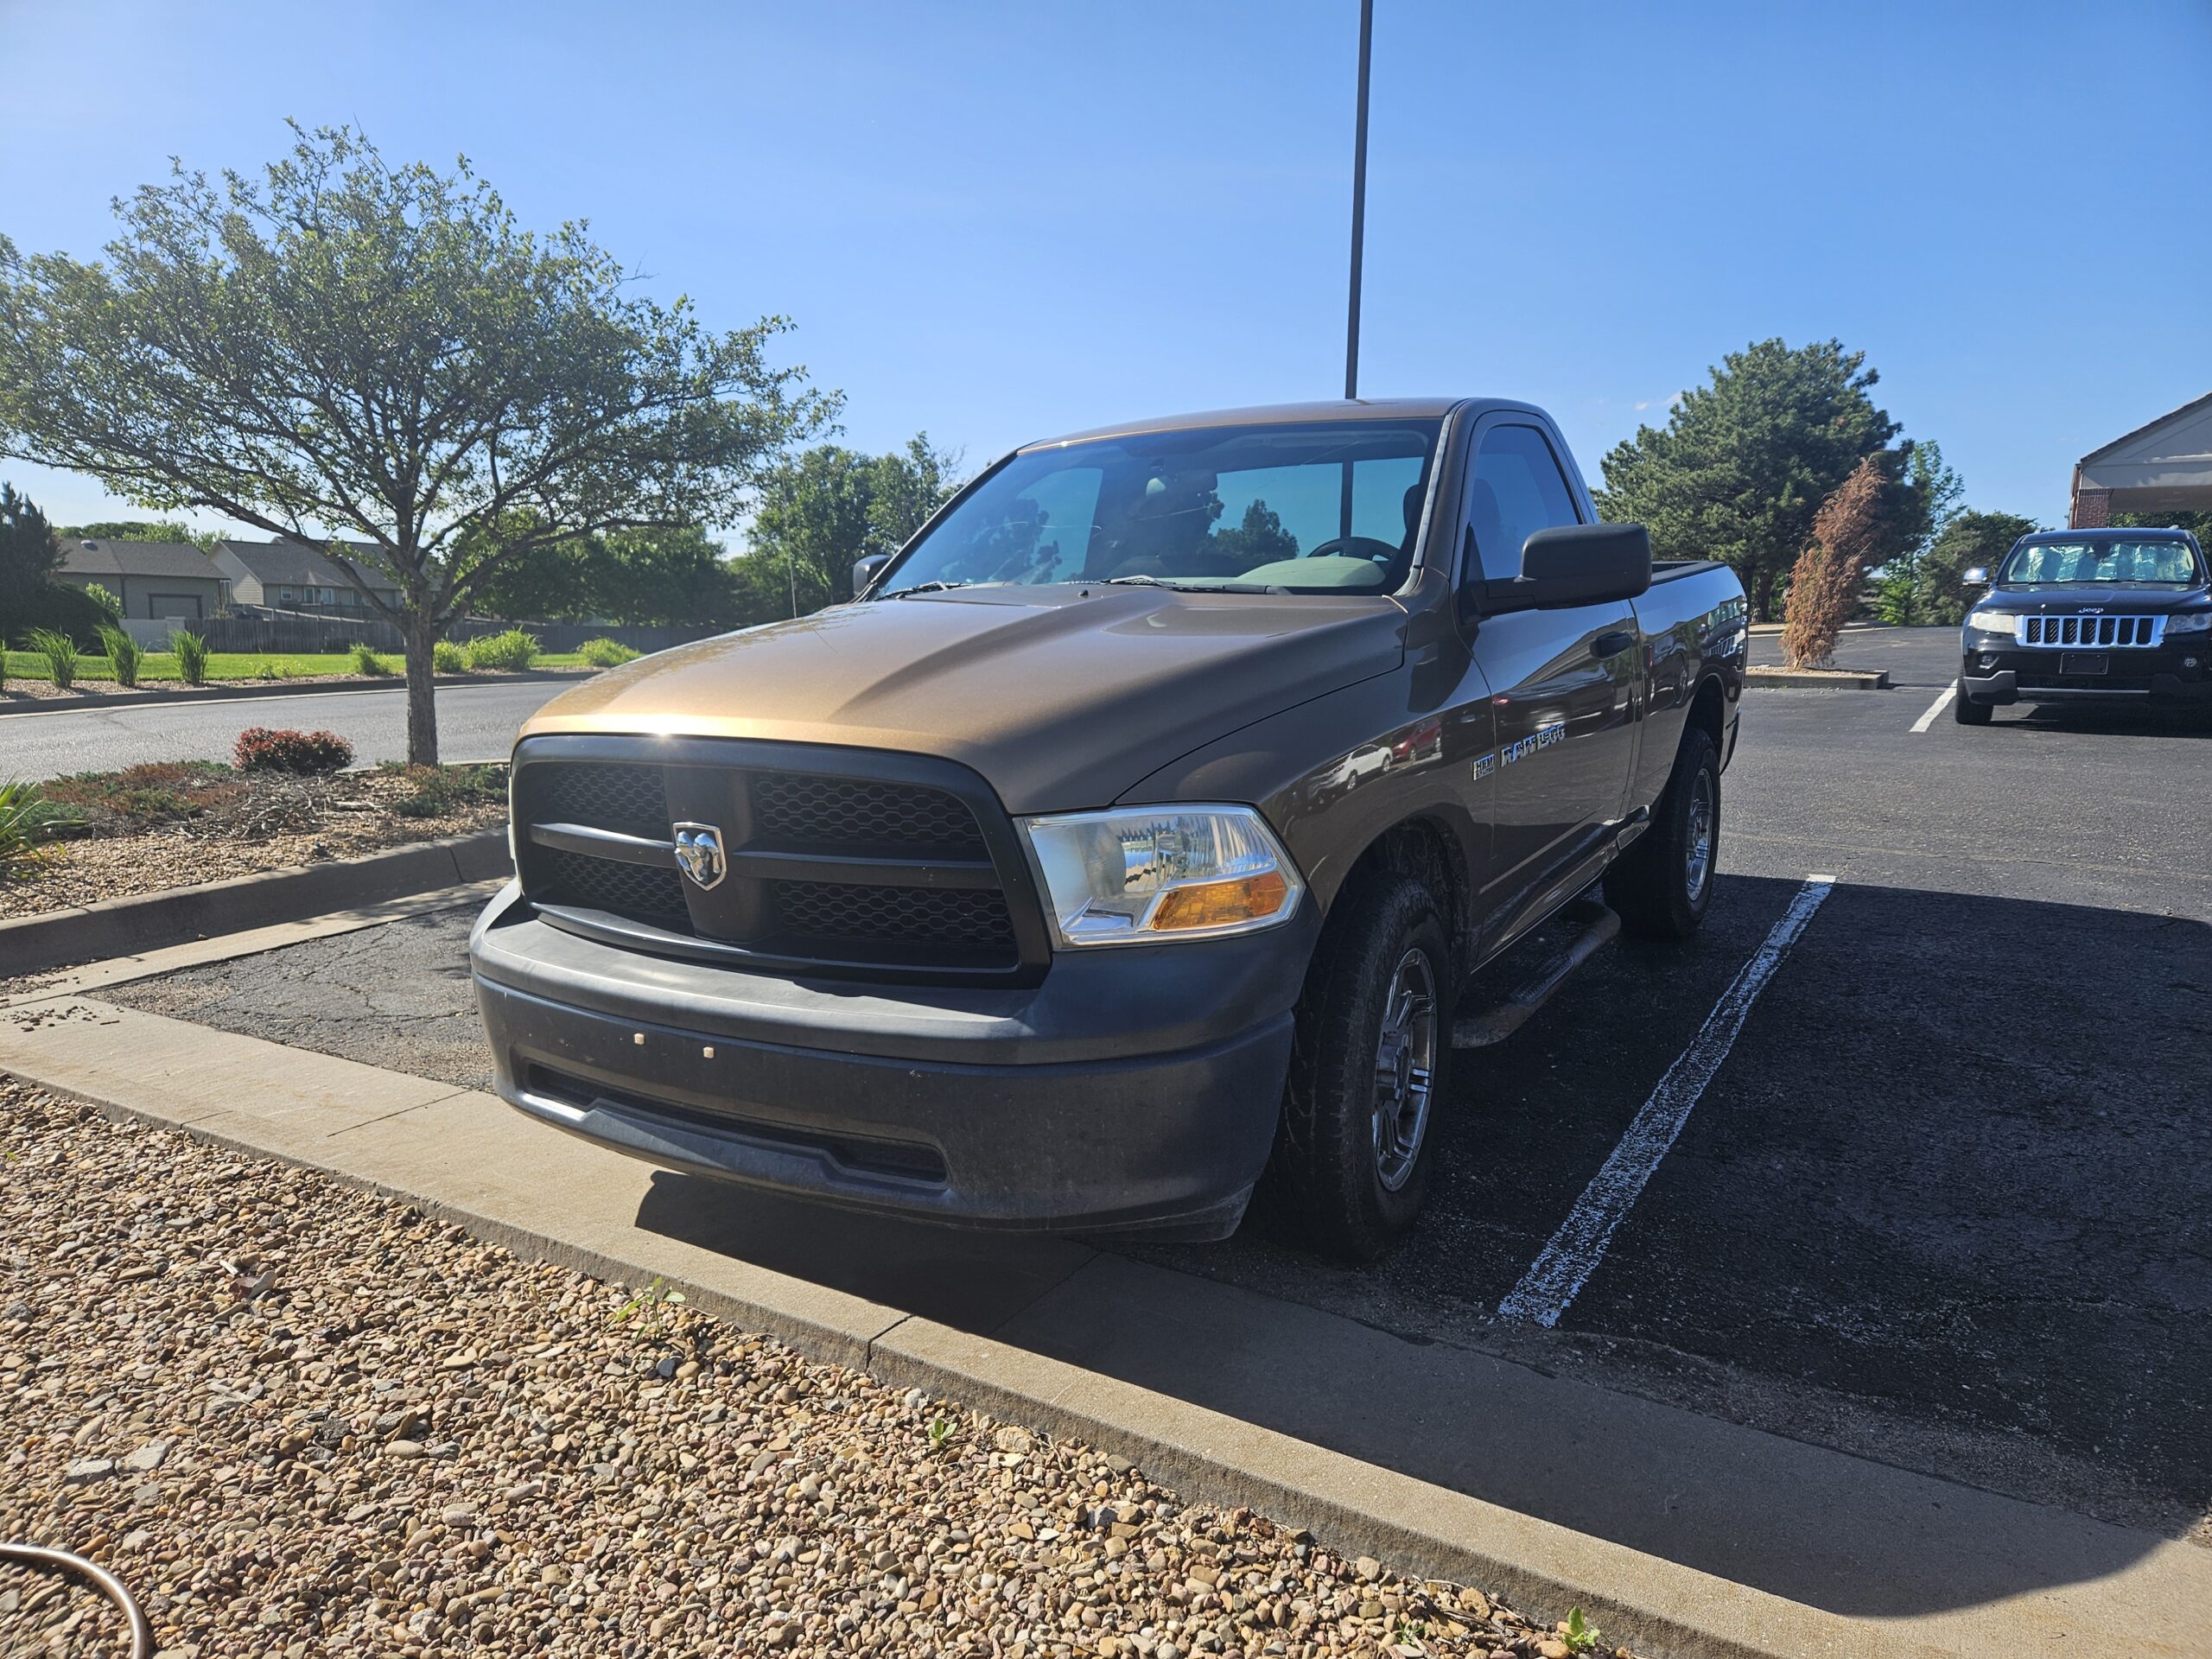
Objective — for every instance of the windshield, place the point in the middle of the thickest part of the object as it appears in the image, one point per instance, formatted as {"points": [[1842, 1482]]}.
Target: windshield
{"points": [[1326, 507], [2052, 564]]}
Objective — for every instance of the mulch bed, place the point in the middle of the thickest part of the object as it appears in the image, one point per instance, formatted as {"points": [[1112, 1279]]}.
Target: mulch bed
{"points": [[169, 824]]}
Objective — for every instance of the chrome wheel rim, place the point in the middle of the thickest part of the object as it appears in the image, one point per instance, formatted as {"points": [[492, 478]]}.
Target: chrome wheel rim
{"points": [[1405, 1065], [1697, 863]]}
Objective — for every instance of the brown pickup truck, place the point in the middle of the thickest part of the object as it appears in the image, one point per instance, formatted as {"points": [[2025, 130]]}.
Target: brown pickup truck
{"points": [[1124, 846]]}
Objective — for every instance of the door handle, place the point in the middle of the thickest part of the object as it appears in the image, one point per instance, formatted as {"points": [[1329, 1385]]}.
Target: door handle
{"points": [[1612, 645]]}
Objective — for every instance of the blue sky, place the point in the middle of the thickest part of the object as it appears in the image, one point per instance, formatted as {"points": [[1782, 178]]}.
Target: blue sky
{"points": [[999, 222]]}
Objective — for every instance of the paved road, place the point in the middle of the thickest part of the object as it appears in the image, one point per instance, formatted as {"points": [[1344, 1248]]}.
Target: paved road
{"points": [[476, 722], [1947, 1202]]}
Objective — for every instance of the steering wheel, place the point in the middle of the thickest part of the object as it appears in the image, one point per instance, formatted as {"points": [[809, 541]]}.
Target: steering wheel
{"points": [[1353, 547]]}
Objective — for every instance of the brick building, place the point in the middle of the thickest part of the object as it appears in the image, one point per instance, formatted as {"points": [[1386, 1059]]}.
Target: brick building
{"points": [[2165, 466]]}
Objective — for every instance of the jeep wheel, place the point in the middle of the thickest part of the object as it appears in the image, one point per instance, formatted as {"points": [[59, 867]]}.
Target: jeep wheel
{"points": [[1968, 712], [1663, 884], [1374, 1030]]}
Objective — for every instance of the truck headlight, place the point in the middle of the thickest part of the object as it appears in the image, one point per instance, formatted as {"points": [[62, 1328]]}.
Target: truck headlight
{"points": [[2190, 622], [1993, 622], [1146, 873]]}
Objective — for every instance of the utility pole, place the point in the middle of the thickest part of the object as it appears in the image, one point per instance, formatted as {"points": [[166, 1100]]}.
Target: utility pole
{"points": [[1358, 236], [1358, 201]]}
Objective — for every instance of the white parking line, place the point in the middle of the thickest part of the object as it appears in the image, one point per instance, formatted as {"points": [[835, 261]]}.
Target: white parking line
{"points": [[1937, 708], [1557, 1276]]}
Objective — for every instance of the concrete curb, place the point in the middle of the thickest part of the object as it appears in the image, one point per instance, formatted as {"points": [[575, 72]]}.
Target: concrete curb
{"points": [[123, 927], [281, 688], [1820, 679]]}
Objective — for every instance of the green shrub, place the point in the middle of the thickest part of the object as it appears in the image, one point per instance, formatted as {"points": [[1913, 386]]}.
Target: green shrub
{"points": [[511, 650], [368, 662], [447, 658], [606, 653], [191, 652], [61, 653], [124, 658], [260, 749], [28, 820], [105, 600], [65, 609]]}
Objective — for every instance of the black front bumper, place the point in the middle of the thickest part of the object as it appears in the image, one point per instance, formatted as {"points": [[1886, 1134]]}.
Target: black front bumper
{"points": [[1134, 1088], [2163, 675]]}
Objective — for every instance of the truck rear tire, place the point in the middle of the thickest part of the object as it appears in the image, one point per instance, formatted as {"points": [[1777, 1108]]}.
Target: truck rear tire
{"points": [[1663, 884], [1374, 1031]]}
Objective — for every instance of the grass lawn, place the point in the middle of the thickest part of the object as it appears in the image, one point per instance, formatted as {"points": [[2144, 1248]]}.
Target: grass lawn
{"points": [[232, 666]]}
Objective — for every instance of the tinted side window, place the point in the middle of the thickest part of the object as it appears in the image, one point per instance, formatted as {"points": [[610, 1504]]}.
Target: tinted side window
{"points": [[1517, 489]]}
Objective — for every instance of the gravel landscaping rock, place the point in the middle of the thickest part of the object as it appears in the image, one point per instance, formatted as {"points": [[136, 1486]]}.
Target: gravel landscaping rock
{"points": [[378, 1436]]}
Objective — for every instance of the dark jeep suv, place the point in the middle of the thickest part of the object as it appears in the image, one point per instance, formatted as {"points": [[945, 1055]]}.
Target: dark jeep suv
{"points": [[2092, 615]]}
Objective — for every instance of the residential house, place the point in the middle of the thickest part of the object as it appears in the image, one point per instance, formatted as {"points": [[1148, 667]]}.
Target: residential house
{"points": [[153, 581], [293, 576]]}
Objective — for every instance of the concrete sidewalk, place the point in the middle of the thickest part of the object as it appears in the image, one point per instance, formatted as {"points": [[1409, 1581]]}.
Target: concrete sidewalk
{"points": [[1681, 1533]]}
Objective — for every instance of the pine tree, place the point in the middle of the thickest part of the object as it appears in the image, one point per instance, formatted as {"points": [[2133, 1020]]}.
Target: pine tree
{"points": [[1743, 464]]}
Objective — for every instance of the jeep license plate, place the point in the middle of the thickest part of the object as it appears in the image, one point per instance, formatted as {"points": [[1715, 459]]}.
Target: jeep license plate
{"points": [[2082, 662]]}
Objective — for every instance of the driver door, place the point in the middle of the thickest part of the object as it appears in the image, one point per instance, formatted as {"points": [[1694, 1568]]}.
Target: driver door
{"points": [[1562, 683]]}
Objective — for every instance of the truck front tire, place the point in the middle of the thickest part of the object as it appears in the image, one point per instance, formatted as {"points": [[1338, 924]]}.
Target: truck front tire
{"points": [[1374, 1030], [1968, 712], [1663, 884]]}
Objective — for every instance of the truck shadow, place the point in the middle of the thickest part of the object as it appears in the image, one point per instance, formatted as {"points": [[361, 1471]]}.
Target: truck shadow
{"points": [[1921, 1254], [2101, 720]]}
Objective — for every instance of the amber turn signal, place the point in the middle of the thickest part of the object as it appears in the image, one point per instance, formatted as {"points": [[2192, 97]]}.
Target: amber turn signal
{"points": [[1220, 904]]}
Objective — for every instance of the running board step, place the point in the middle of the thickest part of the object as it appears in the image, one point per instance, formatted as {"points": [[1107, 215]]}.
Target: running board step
{"points": [[1501, 1019]]}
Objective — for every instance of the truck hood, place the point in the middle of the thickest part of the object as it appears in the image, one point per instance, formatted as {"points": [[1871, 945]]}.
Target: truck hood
{"points": [[1061, 697]]}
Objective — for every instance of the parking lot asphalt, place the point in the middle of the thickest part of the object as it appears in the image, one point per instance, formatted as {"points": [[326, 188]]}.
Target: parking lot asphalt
{"points": [[1945, 1203]]}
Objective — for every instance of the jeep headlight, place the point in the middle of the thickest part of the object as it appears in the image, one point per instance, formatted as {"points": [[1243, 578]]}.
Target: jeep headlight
{"points": [[1148, 874], [2188, 622], [1993, 622]]}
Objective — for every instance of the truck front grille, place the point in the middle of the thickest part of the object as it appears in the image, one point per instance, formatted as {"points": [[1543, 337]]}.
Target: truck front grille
{"points": [[841, 814], [2055, 632], [614, 797], [824, 867], [833, 910], [644, 891]]}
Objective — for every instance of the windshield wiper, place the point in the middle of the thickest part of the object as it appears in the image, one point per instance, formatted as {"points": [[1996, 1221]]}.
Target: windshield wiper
{"points": [[924, 588], [1198, 585]]}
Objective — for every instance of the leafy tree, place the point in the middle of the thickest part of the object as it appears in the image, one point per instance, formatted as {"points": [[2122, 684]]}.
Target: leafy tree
{"points": [[346, 348], [650, 575], [141, 530], [820, 511], [1898, 594], [1260, 539], [2198, 524], [1970, 538], [1743, 464], [29, 553]]}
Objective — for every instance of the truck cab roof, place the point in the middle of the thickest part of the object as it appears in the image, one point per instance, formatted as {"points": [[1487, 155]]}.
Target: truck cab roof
{"points": [[1335, 409]]}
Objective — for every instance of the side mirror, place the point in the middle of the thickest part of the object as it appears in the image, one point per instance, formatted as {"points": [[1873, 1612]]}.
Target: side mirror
{"points": [[1576, 565], [1975, 575], [864, 571]]}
